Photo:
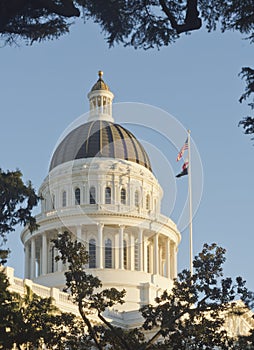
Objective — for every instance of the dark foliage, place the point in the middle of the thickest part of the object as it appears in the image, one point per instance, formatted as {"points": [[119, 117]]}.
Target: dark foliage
{"points": [[190, 316], [142, 23], [17, 201], [248, 122], [29, 321]]}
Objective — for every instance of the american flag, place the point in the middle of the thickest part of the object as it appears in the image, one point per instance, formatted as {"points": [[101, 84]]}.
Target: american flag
{"points": [[184, 148]]}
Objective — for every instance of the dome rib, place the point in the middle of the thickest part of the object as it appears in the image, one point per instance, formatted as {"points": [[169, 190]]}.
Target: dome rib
{"points": [[125, 156]]}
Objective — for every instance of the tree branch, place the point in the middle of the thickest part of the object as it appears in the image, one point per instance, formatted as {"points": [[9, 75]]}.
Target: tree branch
{"points": [[123, 342], [170, 16], [66, 8], [191, 22], [89, 326], [11, 8]]}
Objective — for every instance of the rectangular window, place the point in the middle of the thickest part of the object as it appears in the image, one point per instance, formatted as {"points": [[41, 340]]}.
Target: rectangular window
{"points": [[92, 254], [64, 202], [107, 195], [77, 196], [108, 254]]}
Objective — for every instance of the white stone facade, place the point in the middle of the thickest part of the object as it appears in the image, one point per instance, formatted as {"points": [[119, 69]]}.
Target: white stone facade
{"points": [[131, 244]]}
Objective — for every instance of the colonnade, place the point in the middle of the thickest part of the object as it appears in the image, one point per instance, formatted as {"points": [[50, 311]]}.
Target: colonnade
{"points": [[123, 247]]}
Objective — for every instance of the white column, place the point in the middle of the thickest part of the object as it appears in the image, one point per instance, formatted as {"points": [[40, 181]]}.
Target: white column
{"points": [[156, 254], [132, 252], [100, 246], [26, 260], [151, 255], [79, 233], [121, 233], [44, 265], [116, 250], [172, 260], [160, 269], [145, 255], [167, 258], [116, 194], [175, 260], [100, 194], [140, 249], [32, 262], [40, 261], [84, 190]]}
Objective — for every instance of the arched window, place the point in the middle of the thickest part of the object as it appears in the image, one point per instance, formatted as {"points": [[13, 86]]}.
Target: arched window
{"points": [[64, 199], [92, 195], [123, 196], [108, 254], [147, 202], [125, 254], [77, 196], [92, 253], [107, 195], [136, 199]]}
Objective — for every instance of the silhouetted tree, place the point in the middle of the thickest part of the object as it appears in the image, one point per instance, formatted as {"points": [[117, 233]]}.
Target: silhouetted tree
{"points": [[30, 321], [190, 316], [17, 201], [141, 23], [248, 122]]}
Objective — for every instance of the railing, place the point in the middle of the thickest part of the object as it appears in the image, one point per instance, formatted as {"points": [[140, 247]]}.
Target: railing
{"points": [[61, 300]]}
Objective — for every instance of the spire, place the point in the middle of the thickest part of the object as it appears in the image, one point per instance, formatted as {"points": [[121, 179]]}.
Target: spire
{"points": [[100, 98]]}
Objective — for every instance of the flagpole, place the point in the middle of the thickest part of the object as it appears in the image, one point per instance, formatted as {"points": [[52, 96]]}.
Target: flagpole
{"points": [[190, 204]]}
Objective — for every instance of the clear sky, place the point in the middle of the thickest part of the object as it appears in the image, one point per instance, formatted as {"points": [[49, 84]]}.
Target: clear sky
{"points": [[44, 88]]}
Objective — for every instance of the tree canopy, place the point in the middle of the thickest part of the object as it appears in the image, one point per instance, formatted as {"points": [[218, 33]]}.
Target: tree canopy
{"points": [[30, 321], [139, 23], [17, 201], [190, 316]]}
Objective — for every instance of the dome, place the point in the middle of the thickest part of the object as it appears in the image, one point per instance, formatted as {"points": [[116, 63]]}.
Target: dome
{"points": [[100, 84], [100, 138]]}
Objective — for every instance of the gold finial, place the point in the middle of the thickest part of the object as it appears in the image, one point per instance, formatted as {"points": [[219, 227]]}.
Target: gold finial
{"points": [[100, 73]]}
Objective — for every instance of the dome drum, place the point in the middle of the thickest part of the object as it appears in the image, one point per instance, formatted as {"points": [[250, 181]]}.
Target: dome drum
{"points": [[100, 184]]}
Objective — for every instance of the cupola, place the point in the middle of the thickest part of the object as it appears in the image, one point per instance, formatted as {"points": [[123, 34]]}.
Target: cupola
{"points": [[100, 100]]}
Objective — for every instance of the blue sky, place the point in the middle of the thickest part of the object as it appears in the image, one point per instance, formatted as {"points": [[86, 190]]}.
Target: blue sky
{"points": [[44, 89]]}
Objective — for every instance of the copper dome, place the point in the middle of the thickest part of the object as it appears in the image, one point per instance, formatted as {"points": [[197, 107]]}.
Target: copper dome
{"points": [[100, 138]]}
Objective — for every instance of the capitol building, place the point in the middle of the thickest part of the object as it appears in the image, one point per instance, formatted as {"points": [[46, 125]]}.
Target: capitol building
{"points": [[101, 188]]}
